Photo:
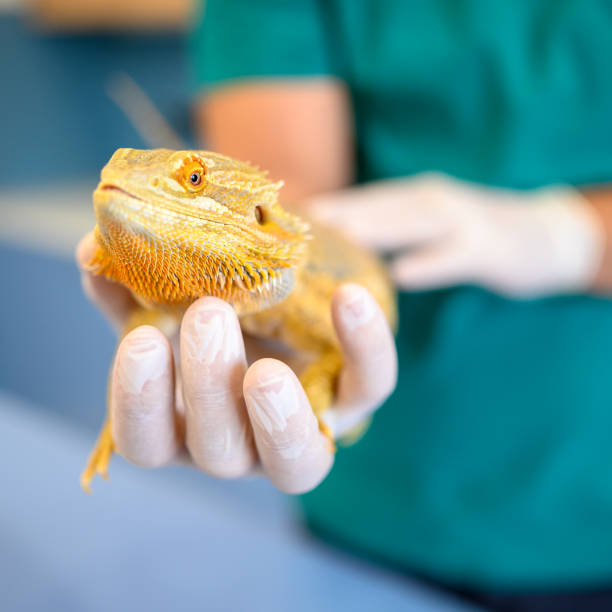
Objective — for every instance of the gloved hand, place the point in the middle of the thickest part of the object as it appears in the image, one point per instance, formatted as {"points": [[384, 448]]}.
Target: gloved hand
{"points": [[197, 400], [445, 232]]}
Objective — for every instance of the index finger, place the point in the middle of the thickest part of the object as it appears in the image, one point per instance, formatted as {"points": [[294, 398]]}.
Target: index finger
{"points": [[114, 300]]}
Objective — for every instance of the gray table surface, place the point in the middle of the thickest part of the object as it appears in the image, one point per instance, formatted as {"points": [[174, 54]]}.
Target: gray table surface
{"points": [[163, 540]]}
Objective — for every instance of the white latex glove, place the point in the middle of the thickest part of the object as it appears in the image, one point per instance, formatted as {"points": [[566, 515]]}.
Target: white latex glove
{"points": [[446, 232], [194, 397]]}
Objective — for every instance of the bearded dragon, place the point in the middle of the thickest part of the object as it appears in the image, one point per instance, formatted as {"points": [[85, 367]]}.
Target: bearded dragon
{"points": [[173, 226]]}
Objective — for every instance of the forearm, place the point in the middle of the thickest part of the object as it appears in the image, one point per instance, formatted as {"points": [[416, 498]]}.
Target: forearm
{"points": [[300, 130], [601, 201]]}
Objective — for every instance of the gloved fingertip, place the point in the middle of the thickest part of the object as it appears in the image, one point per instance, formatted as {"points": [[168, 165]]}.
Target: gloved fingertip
{"points": [[143, 355], [354, 306], [265, 373]]}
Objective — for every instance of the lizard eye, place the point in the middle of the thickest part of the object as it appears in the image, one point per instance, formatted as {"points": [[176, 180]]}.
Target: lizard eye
{"points": [[259, 216], [192, 175]]}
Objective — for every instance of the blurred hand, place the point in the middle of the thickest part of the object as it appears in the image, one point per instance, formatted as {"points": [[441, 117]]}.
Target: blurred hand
{"points": [[446, 232], [195, 398]]}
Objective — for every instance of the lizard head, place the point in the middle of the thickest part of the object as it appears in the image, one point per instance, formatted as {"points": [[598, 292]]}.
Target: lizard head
{"points": [[176, 225]]}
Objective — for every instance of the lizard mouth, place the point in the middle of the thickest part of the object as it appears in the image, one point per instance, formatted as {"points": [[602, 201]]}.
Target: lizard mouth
{"points": [[119, 190]]}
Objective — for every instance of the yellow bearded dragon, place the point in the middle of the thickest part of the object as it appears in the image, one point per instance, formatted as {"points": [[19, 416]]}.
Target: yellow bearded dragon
{"points": [[173, 226]]}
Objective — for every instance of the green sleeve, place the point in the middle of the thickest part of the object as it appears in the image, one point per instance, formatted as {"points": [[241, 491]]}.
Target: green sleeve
{"points": [[236, 39]]}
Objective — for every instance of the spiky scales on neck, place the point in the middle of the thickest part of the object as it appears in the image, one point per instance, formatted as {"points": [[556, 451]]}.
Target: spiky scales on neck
{"points": [[176, 225]]}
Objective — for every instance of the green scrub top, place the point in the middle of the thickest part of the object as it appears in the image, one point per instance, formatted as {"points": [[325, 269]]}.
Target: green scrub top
{"points": [[491, 464]]}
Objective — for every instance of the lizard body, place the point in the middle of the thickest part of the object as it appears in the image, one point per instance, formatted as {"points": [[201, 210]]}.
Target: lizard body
{"points": [[173, 226]]}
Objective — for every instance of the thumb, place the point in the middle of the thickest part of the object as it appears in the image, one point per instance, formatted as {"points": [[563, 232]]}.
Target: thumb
{"points": [[113, 300]]}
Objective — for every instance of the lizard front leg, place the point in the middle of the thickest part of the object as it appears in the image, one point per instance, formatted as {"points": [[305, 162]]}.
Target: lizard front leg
{"points": [[319, 380]]}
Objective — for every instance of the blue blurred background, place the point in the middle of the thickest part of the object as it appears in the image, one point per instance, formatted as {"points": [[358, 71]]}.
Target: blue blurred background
{"points": [[169, 539]]}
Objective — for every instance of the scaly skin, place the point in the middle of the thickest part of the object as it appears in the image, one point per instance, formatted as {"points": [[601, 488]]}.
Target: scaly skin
{"points": [[173, 226]]}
